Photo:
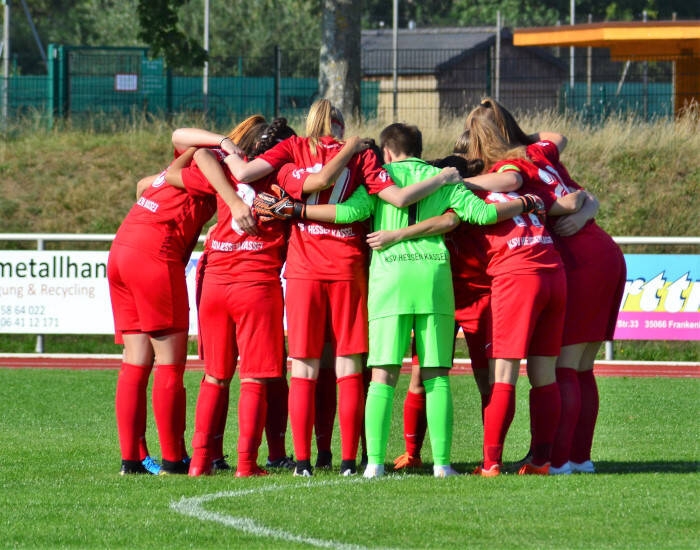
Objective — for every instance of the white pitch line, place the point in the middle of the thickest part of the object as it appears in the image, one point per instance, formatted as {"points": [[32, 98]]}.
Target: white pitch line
{"points": [[194, 507]]}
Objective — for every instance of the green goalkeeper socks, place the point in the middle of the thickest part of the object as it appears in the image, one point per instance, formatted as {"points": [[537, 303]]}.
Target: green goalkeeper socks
{"points": [[440, 413], [378, 409]]}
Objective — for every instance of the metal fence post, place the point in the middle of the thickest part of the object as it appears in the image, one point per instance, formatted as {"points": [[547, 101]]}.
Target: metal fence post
{"points": [[278, 80], [169, 93], [5, 61], [39, 348], [609, 353]]}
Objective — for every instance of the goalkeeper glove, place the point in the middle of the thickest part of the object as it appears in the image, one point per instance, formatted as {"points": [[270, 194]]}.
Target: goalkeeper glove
{"points": [[278, 205]]}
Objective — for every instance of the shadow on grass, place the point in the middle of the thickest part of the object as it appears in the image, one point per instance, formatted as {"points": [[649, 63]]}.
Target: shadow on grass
{"points": [[602, 467], [665, 467]]}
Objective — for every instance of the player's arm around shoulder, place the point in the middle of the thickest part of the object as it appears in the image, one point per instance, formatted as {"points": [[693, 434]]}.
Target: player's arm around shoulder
{"points": [[359, 206], [568, 204], [173, 174], [503, 182], [183, 138], [559, 140], [144, 183], [330, 173], [437, 225], [570, 224], [470, 208], [402, 197]]}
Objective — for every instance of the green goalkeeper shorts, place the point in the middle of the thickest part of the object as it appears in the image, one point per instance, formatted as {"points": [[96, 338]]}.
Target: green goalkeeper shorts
{"points": [[390, 339]]}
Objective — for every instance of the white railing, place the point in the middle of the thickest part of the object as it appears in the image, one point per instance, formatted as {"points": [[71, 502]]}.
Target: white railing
{"points": [[42, 238]]}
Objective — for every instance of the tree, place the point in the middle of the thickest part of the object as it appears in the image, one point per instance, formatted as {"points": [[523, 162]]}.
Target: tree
{"points": [[159, 28], [340, 63], [248, 31], [423, 13], [514, 13], [69, 22], [242, 35]]}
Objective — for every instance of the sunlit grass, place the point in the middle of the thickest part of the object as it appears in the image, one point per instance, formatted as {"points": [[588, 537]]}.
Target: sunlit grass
{"points": [[60, 486]]}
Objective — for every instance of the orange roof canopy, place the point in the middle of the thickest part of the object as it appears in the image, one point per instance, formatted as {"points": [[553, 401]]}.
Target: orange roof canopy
{"points": [[657, 40], [677, 41]]}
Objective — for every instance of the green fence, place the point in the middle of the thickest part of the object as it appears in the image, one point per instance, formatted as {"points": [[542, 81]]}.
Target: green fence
{"points": [[83, 81], [647, 101]]}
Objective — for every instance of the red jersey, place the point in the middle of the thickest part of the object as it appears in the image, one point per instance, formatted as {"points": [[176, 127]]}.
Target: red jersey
{"points": [[327, 251], [467, 258], [166, 221], [232, 254], [521, 244], [591, 241]]}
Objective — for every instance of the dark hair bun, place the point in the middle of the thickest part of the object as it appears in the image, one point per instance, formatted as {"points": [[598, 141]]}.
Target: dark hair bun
{"points": [[467, 168]]}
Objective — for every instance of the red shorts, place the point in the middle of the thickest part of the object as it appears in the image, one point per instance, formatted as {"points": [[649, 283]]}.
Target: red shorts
{"points": [[242, 318], [593, 300], [527, 314], [148, 294], [471, 308], [326, 311], [472, 316], [199, 281]]}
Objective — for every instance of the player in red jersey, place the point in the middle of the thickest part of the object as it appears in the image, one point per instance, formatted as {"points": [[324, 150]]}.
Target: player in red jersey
{"points": [[326, 274], [528, 297], [208, 162], [241, 273], [241, 304], [146, 274], [472, 298], [276, 392], [596, 275]]}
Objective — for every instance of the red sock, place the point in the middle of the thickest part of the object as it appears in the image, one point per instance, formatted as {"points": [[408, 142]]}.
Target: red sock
{"points": [[167, 410], [219, 427], [497, 419], [276, 419], [130, 404], [415, 423], [351, 398], [570, 393], [545, 409], [583, 436], [326, 403], [302, 402], [206, 422], [252, 406]]}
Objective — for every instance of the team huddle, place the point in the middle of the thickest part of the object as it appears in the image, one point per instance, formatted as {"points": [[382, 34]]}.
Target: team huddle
{"points": [[381, 252]]}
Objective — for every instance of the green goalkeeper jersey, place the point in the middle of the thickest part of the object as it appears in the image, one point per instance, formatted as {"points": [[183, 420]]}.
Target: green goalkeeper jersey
{"points": [[414, 276]]}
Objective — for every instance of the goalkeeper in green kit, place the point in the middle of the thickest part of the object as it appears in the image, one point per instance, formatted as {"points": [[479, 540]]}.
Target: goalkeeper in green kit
{"points": [[410, 288]]}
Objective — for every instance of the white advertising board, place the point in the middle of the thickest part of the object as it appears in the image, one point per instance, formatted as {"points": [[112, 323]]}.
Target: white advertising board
{"points": [[62, 292], [66, 292]]}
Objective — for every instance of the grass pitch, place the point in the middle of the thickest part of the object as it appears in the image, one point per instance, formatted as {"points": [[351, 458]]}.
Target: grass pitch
{"points": [[61, 488]]}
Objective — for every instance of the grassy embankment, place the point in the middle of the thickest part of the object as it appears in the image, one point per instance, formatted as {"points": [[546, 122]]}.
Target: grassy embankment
{"points": [[646, 176]]}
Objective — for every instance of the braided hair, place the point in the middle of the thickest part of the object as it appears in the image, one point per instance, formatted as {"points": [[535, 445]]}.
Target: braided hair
{"points": [[276, 131]]}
